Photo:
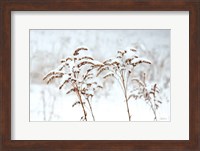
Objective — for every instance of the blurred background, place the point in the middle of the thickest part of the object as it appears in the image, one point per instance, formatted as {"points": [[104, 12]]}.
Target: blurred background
{"points": [[48, 47]]}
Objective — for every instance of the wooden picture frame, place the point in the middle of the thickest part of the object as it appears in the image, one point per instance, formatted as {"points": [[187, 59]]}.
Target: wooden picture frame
{"points": [[193, 6]]}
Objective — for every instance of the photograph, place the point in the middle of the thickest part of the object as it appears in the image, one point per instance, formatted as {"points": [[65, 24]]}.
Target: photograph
{"points": [[99, 75]]}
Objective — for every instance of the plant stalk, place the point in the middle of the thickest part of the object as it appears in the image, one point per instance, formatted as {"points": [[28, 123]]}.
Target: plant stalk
{"points": [[125, 95], [154, 112], [80, 99], [90, 108]]}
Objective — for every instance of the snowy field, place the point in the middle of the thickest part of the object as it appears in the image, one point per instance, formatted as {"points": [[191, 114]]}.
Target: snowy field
{"points": [[48, 47]]}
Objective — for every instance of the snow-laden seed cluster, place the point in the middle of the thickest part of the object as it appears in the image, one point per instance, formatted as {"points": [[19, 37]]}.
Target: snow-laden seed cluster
{"points": [[81, 74], [78, 73]]}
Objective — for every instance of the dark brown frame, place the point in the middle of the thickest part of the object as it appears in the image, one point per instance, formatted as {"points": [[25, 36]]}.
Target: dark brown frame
{"points": [[193, 6]]}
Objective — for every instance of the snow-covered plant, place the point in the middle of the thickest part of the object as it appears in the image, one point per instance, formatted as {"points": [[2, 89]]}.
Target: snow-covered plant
{"points": [[77, 73], [147, 92], [122, 68]]}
